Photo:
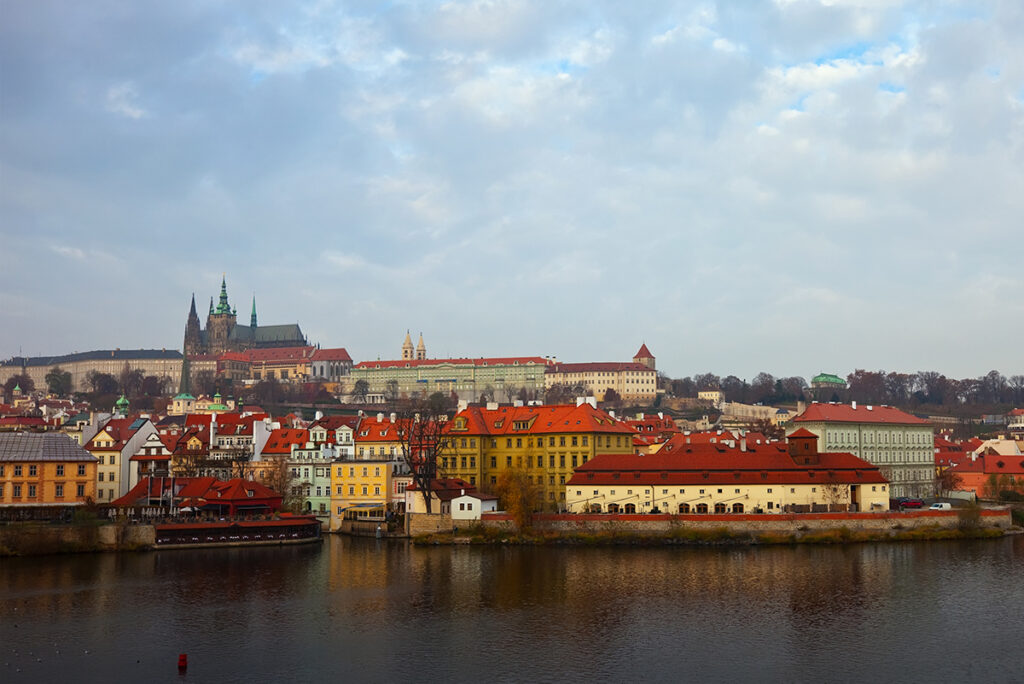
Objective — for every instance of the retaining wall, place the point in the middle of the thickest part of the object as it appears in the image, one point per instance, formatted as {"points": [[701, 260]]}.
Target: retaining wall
{"points": [[740, 523], [31, 540], [423, 523]]}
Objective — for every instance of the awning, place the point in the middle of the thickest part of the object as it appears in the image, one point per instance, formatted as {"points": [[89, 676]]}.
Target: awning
{"points": [[367, 505]]}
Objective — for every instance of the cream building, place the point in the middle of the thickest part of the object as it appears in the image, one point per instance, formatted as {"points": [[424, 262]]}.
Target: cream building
{"points": [[162, 363], [707, 478]]}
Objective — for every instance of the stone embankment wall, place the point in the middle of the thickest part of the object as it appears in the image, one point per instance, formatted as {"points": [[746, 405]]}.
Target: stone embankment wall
{"points": [[422, 523], [32, 540], [740, 523]]}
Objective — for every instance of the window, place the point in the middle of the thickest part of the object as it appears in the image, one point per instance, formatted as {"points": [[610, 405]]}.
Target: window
{"points": [[508, 443], [575, 441], [494, 461], [519, 442], [376, 490], [561, 460], [561, 441], [574, 459], [33, 470], [99, 477], [80, 490], [17, 471], [60, 471], [340, 490], [364, 490], [585, 438], [16, 493], [351, 490], [551, 441], [112, 458]]}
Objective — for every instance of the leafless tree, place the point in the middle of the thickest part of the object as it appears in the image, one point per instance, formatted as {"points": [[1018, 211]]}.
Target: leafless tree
{"points": [[421, 428]]}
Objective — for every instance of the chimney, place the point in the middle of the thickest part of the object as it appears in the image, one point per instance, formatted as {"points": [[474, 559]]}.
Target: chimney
{"points": [[492, 406], [394, 416], [319, 415], [463, 492], [853, 404], [661, 415], [743, 444], [641, 417], [380, 417]]}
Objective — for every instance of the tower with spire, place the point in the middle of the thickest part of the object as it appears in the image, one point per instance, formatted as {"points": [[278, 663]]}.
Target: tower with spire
{"points": [[193, 333], [220, 322], [252, 318], [407, 351], [421, 350]]}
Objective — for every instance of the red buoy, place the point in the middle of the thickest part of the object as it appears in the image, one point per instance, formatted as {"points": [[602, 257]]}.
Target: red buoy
{"points": [[182, 662]]}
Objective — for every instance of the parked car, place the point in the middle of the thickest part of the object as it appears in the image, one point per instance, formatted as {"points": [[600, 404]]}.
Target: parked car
{"points": [[940, 507], [909, 502]]}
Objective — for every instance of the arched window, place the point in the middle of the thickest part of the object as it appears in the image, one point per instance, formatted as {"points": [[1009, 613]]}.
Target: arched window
{"points": [[595, 508], [702, 508], [684, 508], [720, 508], [630, 508], [613, 508], [737, 508]]}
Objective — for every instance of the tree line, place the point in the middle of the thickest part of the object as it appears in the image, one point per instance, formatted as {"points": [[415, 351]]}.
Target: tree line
{"points": [[912, 390]]}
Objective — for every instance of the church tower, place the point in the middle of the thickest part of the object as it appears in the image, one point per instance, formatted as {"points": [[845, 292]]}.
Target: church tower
{"points": [[421, 350], [644, 357], [193, 339], [220, 322], [407, 348], [252, 318]]}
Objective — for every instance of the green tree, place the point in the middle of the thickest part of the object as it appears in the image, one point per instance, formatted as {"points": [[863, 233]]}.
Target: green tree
{"points": [[58, 381]]}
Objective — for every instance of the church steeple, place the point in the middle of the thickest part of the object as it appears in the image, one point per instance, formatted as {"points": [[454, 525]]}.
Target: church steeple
{"points": [[421, 349], [222, 306], [407, 348], [252, 319]]}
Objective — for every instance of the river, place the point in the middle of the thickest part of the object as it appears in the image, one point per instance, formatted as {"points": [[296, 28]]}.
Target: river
{"points": [[366, 610]]}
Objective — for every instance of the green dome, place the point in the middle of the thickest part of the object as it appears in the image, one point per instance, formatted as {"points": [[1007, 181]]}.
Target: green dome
{"points": [[121, 404], [828, 379]]}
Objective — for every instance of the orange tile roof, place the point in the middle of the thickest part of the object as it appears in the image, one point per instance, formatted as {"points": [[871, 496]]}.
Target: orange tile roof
{"points": [[598, 367], [282, 439], [845, 413]]}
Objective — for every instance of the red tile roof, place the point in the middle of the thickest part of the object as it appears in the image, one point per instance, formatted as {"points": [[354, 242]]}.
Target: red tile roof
{"points": [[500, 361], [282, 439], [539, 420], [803, 432], [845, 413], [644, 353], [706, 464], [280, 354], [335, 422], [339, 354], [597, 367]]}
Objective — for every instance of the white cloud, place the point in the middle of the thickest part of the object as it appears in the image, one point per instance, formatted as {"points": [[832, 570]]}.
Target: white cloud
{"points": [[121, 99]]}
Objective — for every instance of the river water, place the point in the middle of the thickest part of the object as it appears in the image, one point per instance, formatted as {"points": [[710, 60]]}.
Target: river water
{"points": [[365, 610]]}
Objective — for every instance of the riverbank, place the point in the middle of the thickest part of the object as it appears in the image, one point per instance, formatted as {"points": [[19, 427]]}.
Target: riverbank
{"points": [[722, 536]]}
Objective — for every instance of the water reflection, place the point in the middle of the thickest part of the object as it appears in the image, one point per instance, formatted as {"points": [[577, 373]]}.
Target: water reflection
{"points": [[369, 610]]}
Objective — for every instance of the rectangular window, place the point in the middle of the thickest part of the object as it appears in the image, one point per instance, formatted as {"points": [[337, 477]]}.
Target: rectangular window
{"points": [[351, 490], [575, 440], [561, 460], [508, 443], [519, 442], [16, 493], [376, 491], [60, 471], [341, 490], [585, 438], [561, 441], [494, 461], [508, 461], [551, 441], [99, 477], [31, 491], [574, 459], [17, 471], [80, 490], [33, 471], [364, 490]]}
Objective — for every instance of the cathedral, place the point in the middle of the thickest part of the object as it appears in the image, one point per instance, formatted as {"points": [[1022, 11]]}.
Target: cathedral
{"points": [[223, 334]]}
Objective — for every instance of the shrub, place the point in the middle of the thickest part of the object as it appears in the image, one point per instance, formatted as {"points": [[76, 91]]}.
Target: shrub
{"points": [[969, 517]]}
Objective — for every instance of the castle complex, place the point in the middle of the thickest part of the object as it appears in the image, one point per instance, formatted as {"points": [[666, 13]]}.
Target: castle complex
{"points": [[223, 334]]}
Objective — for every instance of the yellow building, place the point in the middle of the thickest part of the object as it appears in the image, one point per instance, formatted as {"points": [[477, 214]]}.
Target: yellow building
{"points": [[716, 478], [633, 381], [360, 489], [113, 446], [545, 442], [45, 469], [289, 364]]}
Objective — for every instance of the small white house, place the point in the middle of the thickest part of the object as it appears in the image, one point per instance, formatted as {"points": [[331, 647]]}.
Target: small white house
{"points": [[470, 506]]}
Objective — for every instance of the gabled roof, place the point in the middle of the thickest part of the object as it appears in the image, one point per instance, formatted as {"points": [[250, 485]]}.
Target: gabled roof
{"points": [[846, 413], [339, 354], [802, 432], [334, 422]]}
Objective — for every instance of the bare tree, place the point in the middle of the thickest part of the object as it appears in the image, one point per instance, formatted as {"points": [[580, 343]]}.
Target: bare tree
{"points": [[421, 428], [836, 493]]}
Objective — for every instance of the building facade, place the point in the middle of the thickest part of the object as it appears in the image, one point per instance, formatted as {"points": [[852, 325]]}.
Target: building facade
{"points": [[546, 443], [162, 363], [901, 445], [710, 478], [635, 381], [45, 469]]}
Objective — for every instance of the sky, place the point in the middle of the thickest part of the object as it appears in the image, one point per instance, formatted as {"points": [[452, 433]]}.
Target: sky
{"points": [[792, 187]]}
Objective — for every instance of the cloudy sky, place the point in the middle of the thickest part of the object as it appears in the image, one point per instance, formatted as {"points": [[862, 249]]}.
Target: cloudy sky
{"points": [[788, 186]]}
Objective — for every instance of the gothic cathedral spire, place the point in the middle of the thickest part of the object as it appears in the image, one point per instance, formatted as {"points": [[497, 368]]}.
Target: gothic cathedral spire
{"points": [[252, 319]]}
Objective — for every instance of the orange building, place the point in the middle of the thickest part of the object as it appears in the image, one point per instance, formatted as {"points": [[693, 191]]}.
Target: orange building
{"points": [[45, 469]]}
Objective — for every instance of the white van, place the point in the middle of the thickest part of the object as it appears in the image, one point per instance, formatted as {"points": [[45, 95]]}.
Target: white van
{"points": [[940, 507]]}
